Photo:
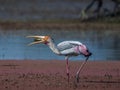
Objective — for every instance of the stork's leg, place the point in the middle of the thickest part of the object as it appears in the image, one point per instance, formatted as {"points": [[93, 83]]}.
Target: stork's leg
{"points": [[79, 70], [67, 68]]}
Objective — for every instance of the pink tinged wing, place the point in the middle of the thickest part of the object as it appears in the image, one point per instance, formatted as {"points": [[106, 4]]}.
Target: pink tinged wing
{"points": [[69, 47]]}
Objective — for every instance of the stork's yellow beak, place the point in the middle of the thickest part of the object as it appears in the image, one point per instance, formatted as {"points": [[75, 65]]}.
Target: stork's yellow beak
{"points": [[38, 39]]}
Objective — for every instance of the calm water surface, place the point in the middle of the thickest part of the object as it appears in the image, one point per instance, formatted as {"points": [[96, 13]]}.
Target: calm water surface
{"points": [[104, 45], [24, 10]]}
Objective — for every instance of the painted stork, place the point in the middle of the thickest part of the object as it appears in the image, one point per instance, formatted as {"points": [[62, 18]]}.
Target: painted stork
{"points": [[65, 48]]}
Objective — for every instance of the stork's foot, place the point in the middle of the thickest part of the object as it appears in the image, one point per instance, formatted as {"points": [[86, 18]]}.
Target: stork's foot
{"points": [[68, 75], [77, 78]]}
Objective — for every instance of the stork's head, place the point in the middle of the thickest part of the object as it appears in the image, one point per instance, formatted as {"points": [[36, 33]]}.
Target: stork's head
{"points": [[84, 50], [39, 39]]}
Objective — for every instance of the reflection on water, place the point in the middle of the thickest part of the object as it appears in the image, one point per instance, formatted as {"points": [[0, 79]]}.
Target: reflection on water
{"points": [[24, 10], [104, 45]]}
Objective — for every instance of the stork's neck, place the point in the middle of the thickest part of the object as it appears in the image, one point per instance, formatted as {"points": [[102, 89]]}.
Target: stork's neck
{"points": [[53, 47]]}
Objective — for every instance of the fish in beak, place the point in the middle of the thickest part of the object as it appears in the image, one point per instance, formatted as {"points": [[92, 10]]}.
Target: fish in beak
{"points": [[38, 39]]}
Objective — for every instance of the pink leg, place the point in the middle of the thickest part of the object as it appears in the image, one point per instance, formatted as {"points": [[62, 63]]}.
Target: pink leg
{"points": [[67, 68], [79, 70]]}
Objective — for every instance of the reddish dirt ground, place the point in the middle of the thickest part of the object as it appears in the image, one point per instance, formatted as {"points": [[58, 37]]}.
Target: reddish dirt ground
{"points": [[51, 75]]}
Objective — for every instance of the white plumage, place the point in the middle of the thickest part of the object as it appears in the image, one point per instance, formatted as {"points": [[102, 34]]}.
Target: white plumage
{"points": [[68, 44], [67, 48]]}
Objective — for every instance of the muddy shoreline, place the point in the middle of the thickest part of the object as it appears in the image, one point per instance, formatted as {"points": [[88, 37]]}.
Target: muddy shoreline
{"points": [[54, 25], [51, 75]]}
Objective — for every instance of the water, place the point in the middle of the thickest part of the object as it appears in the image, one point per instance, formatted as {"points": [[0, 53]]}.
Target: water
{"points": [[23, 10], [104, 44]]}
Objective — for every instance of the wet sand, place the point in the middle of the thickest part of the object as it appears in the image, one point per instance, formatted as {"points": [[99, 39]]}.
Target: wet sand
{"points": [[51, 75]]}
